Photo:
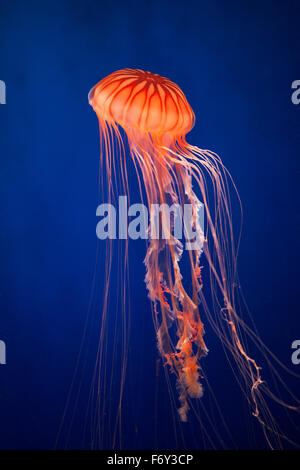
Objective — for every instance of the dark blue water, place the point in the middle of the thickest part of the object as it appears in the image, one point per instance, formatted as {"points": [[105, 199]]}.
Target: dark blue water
{"points": [[235, 62]]}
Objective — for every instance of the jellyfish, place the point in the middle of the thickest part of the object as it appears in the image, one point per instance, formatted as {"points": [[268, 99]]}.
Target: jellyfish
{"points": [[153, 115]]}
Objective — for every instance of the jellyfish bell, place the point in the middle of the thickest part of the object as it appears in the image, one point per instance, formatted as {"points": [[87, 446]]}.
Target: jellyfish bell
{"points": [[156, 116], [143, 101]]}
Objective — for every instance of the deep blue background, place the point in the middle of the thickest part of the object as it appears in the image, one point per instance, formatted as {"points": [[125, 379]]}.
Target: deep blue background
{"points": [[236, 62]]}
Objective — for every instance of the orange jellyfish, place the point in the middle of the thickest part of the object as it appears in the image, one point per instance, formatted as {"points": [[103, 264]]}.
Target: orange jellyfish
{"points": [[156, 116]]}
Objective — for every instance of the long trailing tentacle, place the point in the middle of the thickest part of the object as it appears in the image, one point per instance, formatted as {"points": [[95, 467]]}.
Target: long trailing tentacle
{"points": [[221, 256]]}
